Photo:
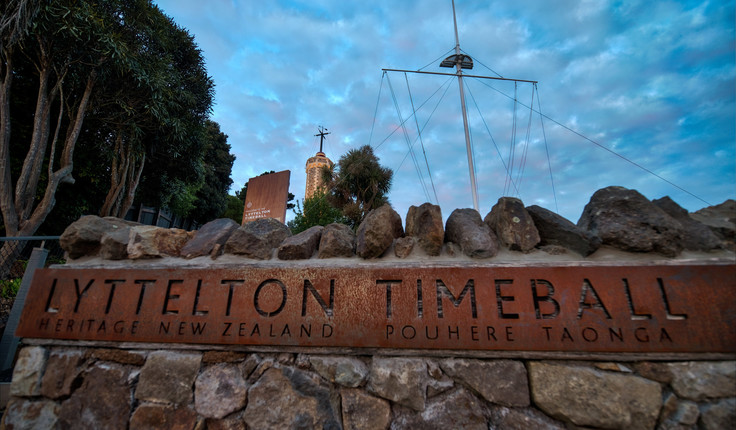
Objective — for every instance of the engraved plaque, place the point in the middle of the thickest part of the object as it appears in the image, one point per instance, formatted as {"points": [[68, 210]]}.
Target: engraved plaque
{"points": [[667, 308]]}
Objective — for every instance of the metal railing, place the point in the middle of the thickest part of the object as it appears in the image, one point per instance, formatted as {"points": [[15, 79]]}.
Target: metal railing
{"points": [[15, 251]]}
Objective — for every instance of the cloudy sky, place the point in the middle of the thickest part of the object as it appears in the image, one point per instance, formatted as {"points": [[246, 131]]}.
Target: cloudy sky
{"points": [[647, 81]]}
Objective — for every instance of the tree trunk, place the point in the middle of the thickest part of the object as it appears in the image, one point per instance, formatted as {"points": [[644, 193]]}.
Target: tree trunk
{"points": [[134, 178], [118, 174]]}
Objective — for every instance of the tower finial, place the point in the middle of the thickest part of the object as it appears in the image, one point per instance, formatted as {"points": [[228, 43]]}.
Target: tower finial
{"points": [[322, 133]]}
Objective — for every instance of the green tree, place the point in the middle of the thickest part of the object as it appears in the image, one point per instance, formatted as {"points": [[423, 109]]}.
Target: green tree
{"points": [[317, 211], [357, 184], [212, 197]]}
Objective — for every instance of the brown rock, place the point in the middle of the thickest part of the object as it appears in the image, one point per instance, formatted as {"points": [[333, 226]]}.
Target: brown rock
{"points": [[109, 386], [211, 357], [377, 232], [114, 244], [61, 369], [83, 236], [505, 418], [655, 371], [503, 382], [720, 218], [555, 230], [301, 246], [513, 225], [696, 235], [153, 242], [168, 377], [399, 379], [24, 414], [257, 239], [154, 417], [588, 397], [466, 229], [205, 239], [234, 422], [338, 240], [118, 356], [290, 398], [403, 246], [220, 390], [457, 409], [626, 220], [424, 223], [361, 411]]}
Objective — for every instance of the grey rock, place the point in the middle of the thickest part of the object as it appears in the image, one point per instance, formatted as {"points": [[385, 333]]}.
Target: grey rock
{"points": [[702, 380], [457, 409], [147, 241], [438, 381], [696, 235], [168, 377], [503, 382], [154, 417], [719, 415], [301, 246], [361, 411], [291, 398], [83, 236], [209, 236], [257, 239], [720, 218], [466, 229], [337, 241], [403, 246], [346, 371], [220, 390], [556, 230], [23, 414], [399, 379], [588, 397], [424, 223], [627, 220], [377, 232], [513, 225], [62, 367], [109, 386], [504, 418], [114, 244], [677, 414], [28, 371]]}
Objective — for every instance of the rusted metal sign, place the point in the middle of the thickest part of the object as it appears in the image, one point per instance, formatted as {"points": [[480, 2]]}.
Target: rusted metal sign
{"points": [[588, 309], [267, 196]]}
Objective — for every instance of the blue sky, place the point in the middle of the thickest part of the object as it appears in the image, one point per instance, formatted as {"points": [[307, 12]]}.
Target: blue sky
{"points": [[651, 81]]}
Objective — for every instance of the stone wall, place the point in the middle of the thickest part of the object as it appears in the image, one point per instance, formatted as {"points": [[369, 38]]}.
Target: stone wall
{"points": [[90, 387]]}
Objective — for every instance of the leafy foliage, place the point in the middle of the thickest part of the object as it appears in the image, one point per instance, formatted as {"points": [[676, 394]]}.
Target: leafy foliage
{"points": [[9, 288], [357, 184], [317, 211]]}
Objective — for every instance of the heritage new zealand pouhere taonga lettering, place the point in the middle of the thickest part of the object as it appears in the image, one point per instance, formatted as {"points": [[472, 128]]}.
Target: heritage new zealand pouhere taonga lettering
{"points": [[668, 308]]}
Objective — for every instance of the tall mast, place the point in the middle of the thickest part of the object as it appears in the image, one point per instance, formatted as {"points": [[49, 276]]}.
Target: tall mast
{"points": [[458, 60]]}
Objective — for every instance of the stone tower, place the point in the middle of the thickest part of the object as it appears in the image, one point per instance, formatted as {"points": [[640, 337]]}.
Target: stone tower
{"points": [[314, 177]]}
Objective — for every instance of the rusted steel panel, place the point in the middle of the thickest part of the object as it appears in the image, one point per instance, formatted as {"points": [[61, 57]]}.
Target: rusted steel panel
{"points": [[267, 196], [688, 308]]}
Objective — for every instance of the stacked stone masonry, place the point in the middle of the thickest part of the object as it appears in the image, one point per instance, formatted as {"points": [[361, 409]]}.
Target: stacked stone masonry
{"points": [[615, 218], [94, 388], [86, 385]]}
